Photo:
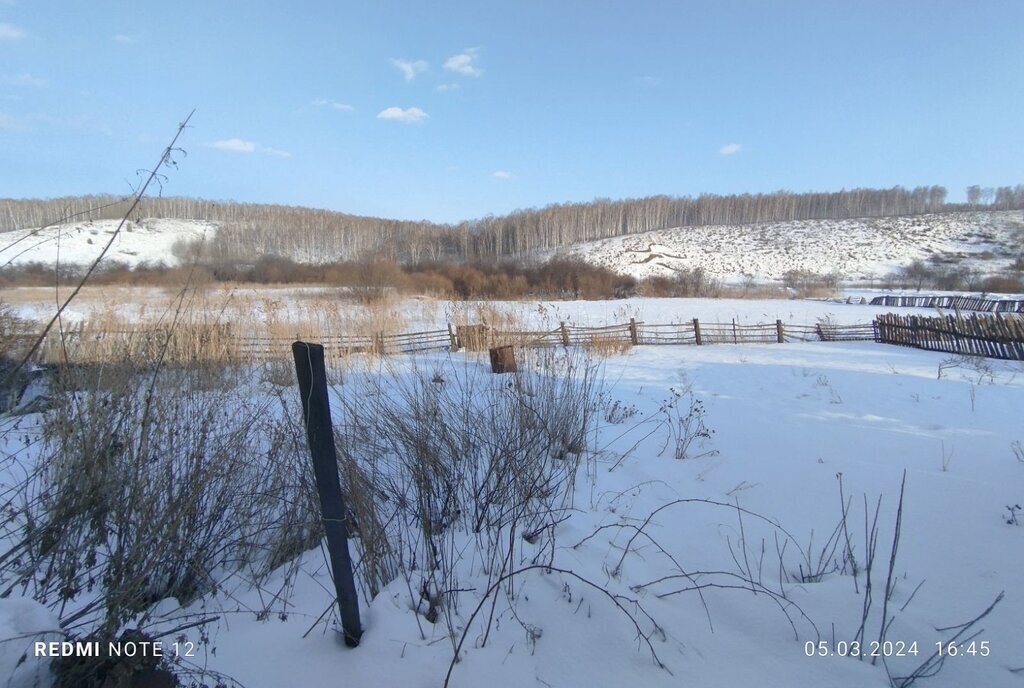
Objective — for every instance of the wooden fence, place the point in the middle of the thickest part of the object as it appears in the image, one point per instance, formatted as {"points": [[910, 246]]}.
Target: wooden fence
{"points": [[992, 336], [997, 336], [638, 333], [958, 303]]}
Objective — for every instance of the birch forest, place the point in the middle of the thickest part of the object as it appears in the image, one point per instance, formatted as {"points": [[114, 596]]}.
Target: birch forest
{"points": [[248, 231]]}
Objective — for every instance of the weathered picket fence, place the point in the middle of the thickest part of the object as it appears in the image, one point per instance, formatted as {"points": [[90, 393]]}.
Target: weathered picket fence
{"points": [[993, 336], [957, 303]]}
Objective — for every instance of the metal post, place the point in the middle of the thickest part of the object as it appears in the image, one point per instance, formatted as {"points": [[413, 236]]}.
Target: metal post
{"points": [[316, 414]]}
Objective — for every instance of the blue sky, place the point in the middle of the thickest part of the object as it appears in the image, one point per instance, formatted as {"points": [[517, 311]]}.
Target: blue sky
{"points": [[449, 110]]}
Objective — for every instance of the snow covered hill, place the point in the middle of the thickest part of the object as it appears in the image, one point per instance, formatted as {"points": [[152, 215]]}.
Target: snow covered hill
{"points": [[854, 249], [150, 240], [858, 249]]}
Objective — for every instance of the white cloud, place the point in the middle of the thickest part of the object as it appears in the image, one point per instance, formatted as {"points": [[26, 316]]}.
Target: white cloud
{"points": [[444, 88], [649, 81], [127, 40], [333, 104], [730, 149], [7, 123], [242, 146], [408, 115], [275, 152], [235, 146], [464, 63], [410, 68], [10, 32], [503, 174], [24, 79]]}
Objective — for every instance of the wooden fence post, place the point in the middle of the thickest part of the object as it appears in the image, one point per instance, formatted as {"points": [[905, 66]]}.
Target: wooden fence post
{"points": [[696, 331], [633, 336], [565, 334], [454, 339], [734, 339], [316, 414], [778, 331]]}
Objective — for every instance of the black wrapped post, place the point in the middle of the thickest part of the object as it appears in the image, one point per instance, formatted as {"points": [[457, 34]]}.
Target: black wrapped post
{"points": [[316, 414]]}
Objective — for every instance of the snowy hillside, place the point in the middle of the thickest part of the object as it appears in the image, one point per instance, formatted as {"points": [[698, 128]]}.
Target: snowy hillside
{"points": [[858, 249], [150, 240], [855, 249]]}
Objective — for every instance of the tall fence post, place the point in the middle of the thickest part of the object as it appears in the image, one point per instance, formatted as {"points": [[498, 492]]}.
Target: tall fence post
{"points": [[565, 334], [778, 331], [633, 336], [454, 339], [316, 414], [696, 331]]}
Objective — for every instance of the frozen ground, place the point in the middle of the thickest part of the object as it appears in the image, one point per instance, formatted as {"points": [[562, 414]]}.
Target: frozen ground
{"points": [[787, 420], [856, 249]]}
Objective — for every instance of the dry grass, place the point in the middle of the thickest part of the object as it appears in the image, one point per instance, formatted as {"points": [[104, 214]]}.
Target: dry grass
{"points": [[604, 346], [239, 326]]}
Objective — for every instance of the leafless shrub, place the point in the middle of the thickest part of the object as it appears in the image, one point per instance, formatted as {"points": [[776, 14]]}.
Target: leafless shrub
{"points": [[687, 433], [454, 449], [153, 488], [807, 284], [616, 412]]}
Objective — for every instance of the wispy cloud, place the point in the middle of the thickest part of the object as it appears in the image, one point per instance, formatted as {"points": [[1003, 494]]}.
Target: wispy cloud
{"points": [[276, 152], [464, 63], [730, 149], [503, 174], [24, 79], [649, 81], [242, 146], [8, 123], [10, 32], [410, 68], [445, 88], [333, 105], [235, 146], [408, 115], [125, 39]]}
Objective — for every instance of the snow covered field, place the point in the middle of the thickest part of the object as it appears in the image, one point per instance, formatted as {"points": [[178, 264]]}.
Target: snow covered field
{"points": [[788, 420], [250, 304]]}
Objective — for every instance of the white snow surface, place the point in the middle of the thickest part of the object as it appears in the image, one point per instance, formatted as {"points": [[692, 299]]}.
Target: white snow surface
{"points": [[788, 420], [855, 249], [148, 241]]}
